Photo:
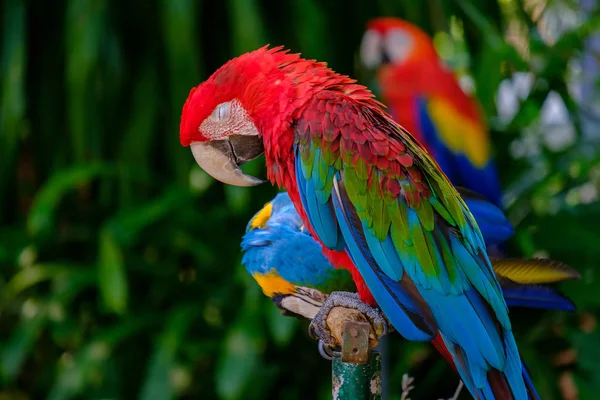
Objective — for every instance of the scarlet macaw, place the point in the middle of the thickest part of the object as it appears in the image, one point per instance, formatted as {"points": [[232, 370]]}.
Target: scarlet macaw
{"points": [[424, 96], [372, 196]]}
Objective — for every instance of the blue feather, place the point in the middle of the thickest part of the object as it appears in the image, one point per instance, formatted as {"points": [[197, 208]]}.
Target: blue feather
{"points": [[461, 320], [319, 214], [385, 254], [494, 226], [388, 294], [536, 296], [514, 368]]}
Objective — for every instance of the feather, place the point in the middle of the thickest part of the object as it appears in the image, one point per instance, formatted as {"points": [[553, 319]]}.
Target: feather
{"points": [[402, 310], [534, 270], [492, 221], [536, 296], [321, 215]]}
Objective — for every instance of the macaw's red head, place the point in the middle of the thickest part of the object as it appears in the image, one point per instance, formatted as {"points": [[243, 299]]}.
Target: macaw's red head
{"points": [[393, 41], [225, 118]]}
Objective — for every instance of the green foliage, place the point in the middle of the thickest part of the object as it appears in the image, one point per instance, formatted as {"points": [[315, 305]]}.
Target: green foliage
{"points": [[120, 270]]}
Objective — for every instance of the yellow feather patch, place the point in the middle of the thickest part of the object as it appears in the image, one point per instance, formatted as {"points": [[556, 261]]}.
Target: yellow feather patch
{"points": [[459, 133], [272, 284], [262, 217], [534, 270]]}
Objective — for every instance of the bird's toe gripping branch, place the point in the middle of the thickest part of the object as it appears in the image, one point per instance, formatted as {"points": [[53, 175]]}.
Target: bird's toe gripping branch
{"points": [[328, 324]]}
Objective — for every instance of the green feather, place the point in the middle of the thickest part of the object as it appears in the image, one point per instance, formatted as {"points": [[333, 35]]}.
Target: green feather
{"points": [[380, 216], [322, 172], [356, 189], [399, 220], [361, 169], [449, 200], [449, 262], [308, 160], [328, 156], [425, 213], [338, 163], [426, 262], [435, 203]]}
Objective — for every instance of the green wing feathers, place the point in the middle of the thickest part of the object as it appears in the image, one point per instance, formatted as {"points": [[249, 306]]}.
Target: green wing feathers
{"points": [[398, 192]]}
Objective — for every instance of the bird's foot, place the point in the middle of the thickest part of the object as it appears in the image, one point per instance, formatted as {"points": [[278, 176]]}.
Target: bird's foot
{"points": [[328, 323]]}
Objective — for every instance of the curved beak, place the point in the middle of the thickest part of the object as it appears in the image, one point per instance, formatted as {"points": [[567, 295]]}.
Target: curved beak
{"points": [[221, 159]]}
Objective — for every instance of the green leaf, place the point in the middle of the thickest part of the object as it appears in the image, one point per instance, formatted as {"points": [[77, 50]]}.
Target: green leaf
{"points": [[111, 273], [28, 277], [13, 59], [311, 29], [129, 223], [183, 50], [158, 383], [45, 205], [22, 340], [74, 373], [240, 358], [282, 328], [247, 25], [237, 198], [85, 28]]}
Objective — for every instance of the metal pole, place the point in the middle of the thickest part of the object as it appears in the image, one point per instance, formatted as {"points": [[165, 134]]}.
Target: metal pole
{"points": [[356, 374]]}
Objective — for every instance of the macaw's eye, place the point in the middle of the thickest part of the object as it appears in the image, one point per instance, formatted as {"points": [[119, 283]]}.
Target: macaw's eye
{"points": [[221, 112]]}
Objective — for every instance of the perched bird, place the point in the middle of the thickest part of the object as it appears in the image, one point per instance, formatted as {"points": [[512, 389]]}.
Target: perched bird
{"points": [[288, 264], [372, 196], [424, 96]]}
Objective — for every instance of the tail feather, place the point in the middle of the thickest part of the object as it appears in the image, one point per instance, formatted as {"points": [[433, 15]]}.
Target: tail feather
{"points": [[497, 387], [536, 296]]}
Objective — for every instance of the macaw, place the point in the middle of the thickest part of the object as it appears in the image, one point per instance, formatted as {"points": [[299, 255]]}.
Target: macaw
{"points": [[288, 264], [372, 196], [424, 96]]}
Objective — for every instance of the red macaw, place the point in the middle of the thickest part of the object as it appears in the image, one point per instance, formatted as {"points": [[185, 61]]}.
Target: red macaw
{"points": [[425, 98], [372, 196]]}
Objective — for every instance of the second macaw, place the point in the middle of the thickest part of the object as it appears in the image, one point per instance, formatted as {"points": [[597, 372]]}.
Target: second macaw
{"points": [[424, 96], [372, 196]]}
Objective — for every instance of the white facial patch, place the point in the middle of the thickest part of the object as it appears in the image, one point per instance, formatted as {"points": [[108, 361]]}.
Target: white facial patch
{"points": [[398, 45], [370, 49], [229, 118]]}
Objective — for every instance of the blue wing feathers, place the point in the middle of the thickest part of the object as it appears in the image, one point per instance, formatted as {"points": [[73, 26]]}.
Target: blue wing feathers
{"points": [[319, 213], [397, 305], [385, 254], [536, 296], [494, 226]]}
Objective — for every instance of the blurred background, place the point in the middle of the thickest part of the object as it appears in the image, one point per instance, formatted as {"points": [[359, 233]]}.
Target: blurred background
{"points": [[120, 273]]}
